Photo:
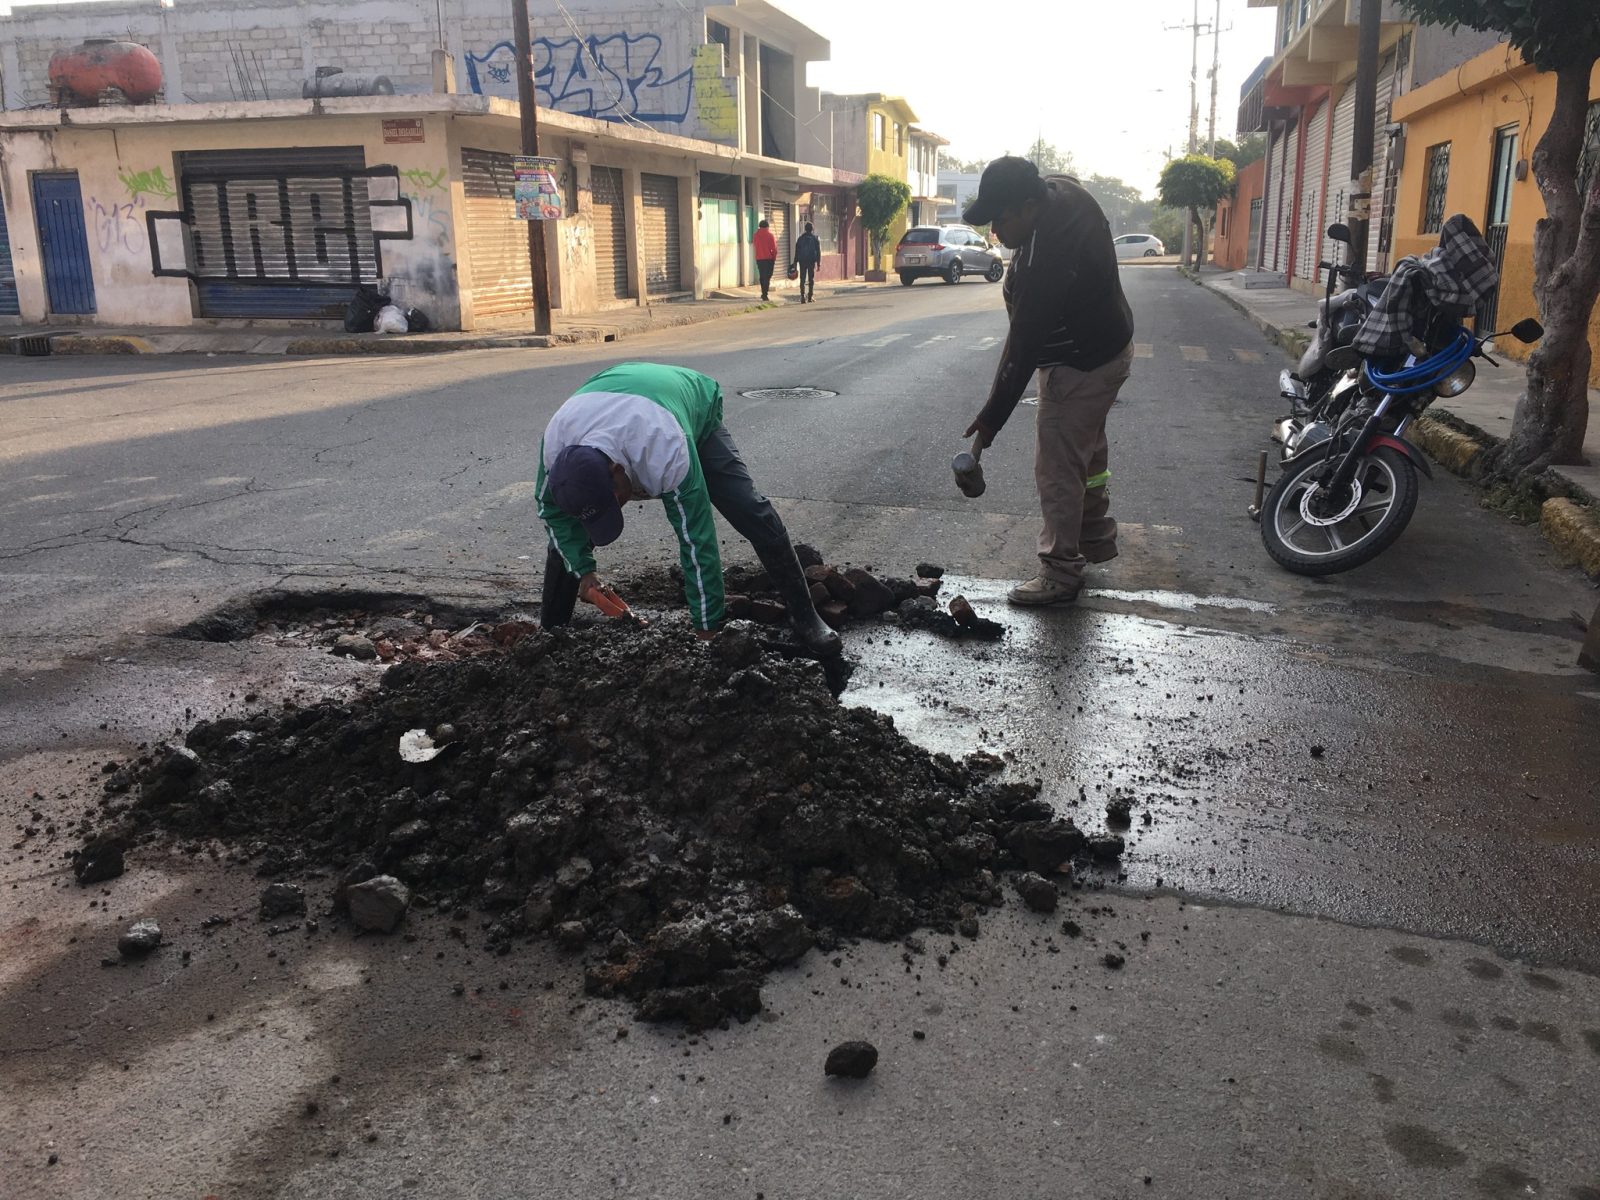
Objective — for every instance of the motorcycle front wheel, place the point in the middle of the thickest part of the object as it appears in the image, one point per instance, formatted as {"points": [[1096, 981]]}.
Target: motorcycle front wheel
{"points": [[1311, 532]]}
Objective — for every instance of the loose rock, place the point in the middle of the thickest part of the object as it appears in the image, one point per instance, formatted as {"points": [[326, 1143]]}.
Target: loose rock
{"points": [[140, 938], [282, 900], [379, 904], [97, 862], [851, 1060], [1037, 892], [354, 645]]}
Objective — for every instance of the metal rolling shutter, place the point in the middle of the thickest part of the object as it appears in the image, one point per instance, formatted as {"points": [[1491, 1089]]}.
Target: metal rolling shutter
{"points": [[1291, 188], [1380, 159], [660, 234], [777, 214], [8, 275], [1311, 189], [284, 233], [497, 243], [1261, 249], [610, 233], [1338, 187]]}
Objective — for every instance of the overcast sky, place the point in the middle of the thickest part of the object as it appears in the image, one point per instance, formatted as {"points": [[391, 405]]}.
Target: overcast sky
{"points": [[1104, 80]]}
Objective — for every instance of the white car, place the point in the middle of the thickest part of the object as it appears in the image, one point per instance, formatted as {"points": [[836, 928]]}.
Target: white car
{"points": [[1139, 245]]}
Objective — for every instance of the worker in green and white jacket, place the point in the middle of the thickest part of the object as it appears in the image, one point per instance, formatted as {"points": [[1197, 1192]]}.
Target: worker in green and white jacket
{"points": [[639, 431]]}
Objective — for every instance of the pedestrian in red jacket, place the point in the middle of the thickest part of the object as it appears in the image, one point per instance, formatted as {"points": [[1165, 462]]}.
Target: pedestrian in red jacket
{"points": [[766, 248]]}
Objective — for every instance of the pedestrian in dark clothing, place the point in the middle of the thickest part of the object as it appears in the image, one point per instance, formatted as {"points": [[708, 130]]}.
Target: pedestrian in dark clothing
{"points": [[1071, 323], [807, 254], [766, 248]]}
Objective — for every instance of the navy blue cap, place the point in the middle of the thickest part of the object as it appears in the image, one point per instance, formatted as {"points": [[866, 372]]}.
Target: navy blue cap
{"points": [[580, 484]]}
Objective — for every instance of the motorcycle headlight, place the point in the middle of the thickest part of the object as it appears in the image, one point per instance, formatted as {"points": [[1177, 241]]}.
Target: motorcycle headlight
{"points": [[1457, 381]]}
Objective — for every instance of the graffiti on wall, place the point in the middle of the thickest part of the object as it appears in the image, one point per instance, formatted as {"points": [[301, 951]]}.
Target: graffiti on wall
{"points": [[118, 228], [153, 182], [621, 77], [322, 228], [419, 178], [432, 218]]}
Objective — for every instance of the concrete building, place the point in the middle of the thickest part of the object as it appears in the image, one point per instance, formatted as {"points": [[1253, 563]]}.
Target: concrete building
{"points": [[675, 126], [957, 189], [1303, 99], [928, 207], [1238, 225], [1469, 132], [871, 136]]}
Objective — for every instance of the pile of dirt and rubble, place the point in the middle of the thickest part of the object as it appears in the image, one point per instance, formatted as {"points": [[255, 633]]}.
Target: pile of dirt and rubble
{"points": [[842, 596], [689, 814]]}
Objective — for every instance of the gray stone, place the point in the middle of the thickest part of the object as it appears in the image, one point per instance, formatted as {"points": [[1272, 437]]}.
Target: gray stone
{"points": [[283, 900], [782, 935], [141, 938], [379, 904], [97, 862], [354, 645], [851, 1060], [1037, 892]]}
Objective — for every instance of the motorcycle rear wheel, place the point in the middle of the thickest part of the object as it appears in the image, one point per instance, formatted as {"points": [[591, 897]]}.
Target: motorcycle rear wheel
{"points": [[1310, 535]]}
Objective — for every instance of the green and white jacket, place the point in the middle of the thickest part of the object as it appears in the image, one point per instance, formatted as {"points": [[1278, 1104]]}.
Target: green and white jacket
{"points": [[648, 419]]}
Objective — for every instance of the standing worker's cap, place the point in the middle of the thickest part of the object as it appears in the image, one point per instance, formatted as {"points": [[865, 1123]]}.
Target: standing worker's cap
{"points": [[580, 484], [1006, 182]]}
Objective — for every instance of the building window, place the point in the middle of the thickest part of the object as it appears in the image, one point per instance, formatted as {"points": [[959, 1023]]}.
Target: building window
{"points": [[899, 139], [878, 127], [1589, 157], [825, 217], [1438, 181]]}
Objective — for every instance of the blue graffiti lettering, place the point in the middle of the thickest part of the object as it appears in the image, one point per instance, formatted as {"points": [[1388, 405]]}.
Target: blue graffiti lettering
{"points": [[615, 78]]}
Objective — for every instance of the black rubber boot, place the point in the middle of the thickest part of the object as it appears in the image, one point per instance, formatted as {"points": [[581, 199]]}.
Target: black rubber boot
{"points": [[790, 579], [560, 595]]}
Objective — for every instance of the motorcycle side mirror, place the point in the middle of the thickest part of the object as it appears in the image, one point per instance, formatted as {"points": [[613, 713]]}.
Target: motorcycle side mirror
{"points": [[1527, 330], [1339, 233]]}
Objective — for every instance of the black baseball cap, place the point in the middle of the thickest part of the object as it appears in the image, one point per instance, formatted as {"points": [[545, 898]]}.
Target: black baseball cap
{"points": [[580, 484], [1006, 182]]}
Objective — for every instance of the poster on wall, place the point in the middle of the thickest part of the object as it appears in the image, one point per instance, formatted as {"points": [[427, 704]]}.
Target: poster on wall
{"points": [[534, 188]]}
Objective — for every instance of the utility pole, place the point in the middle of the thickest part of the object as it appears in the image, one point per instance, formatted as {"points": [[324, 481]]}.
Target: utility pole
{"points": [[1216, 58], [528, 102], [1366, 119], [1194, 120]]}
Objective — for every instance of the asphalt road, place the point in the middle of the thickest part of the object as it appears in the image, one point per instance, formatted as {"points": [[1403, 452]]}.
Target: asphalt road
{"points": [[1451, 809]]}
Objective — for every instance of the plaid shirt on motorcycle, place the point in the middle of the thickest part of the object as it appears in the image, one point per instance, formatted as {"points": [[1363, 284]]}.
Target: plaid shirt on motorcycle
{"points": [[1450, 280]]}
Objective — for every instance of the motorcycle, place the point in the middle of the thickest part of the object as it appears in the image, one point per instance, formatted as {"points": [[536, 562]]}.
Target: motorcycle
{"points": [[1311, 385], [1347, 494]]}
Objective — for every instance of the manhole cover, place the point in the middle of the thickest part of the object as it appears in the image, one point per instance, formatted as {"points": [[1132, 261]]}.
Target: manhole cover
{"points": [[792, 393]]}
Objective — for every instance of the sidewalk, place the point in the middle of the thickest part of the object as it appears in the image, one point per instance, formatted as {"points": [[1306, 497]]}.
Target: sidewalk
{"points": [[1485, 409], [311, 339]]}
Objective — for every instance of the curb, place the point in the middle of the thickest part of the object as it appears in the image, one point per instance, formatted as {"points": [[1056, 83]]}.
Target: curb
{"points": [[1574, 530], [1291, 341], [110, 343], [1451, 448]]}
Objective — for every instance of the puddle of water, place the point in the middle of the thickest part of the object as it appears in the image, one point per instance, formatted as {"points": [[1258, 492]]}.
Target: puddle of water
{"points": [[1184, 601]]}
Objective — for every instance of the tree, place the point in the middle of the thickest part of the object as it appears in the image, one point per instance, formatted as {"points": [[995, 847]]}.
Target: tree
{"points": [[963, 166], [1124, 207], [1196, 183], [1048, 159], [1561, 37], [1248, 149], [881, 200], [1167, 224]]}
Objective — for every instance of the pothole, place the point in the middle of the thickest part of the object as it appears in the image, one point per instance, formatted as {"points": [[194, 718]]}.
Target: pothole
{"points": [[789, 393]]}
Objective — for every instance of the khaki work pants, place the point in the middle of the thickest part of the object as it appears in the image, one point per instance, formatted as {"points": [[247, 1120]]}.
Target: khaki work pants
{"points": [[1070, 466]]}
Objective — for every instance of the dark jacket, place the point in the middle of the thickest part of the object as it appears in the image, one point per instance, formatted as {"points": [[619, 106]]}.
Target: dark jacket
{"points": [[1064, 298], [807, 249]]}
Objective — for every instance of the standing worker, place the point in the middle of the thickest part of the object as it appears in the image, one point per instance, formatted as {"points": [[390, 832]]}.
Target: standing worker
{"points": [[639, 431], [766, 248], [807, 254], [1071, 323]]}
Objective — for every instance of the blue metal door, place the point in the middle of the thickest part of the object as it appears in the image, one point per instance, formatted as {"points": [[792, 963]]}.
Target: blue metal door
{"points": [[8, 276], [58, 208]]}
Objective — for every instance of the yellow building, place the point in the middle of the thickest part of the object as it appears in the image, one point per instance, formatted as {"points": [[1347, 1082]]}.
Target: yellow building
{"points": [[872, 136], [1469, 137]]}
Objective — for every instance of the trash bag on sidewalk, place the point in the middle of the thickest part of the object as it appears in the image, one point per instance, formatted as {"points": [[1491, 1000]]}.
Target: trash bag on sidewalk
{"points": [[363, 309], [390, 320], [417, 321]]}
